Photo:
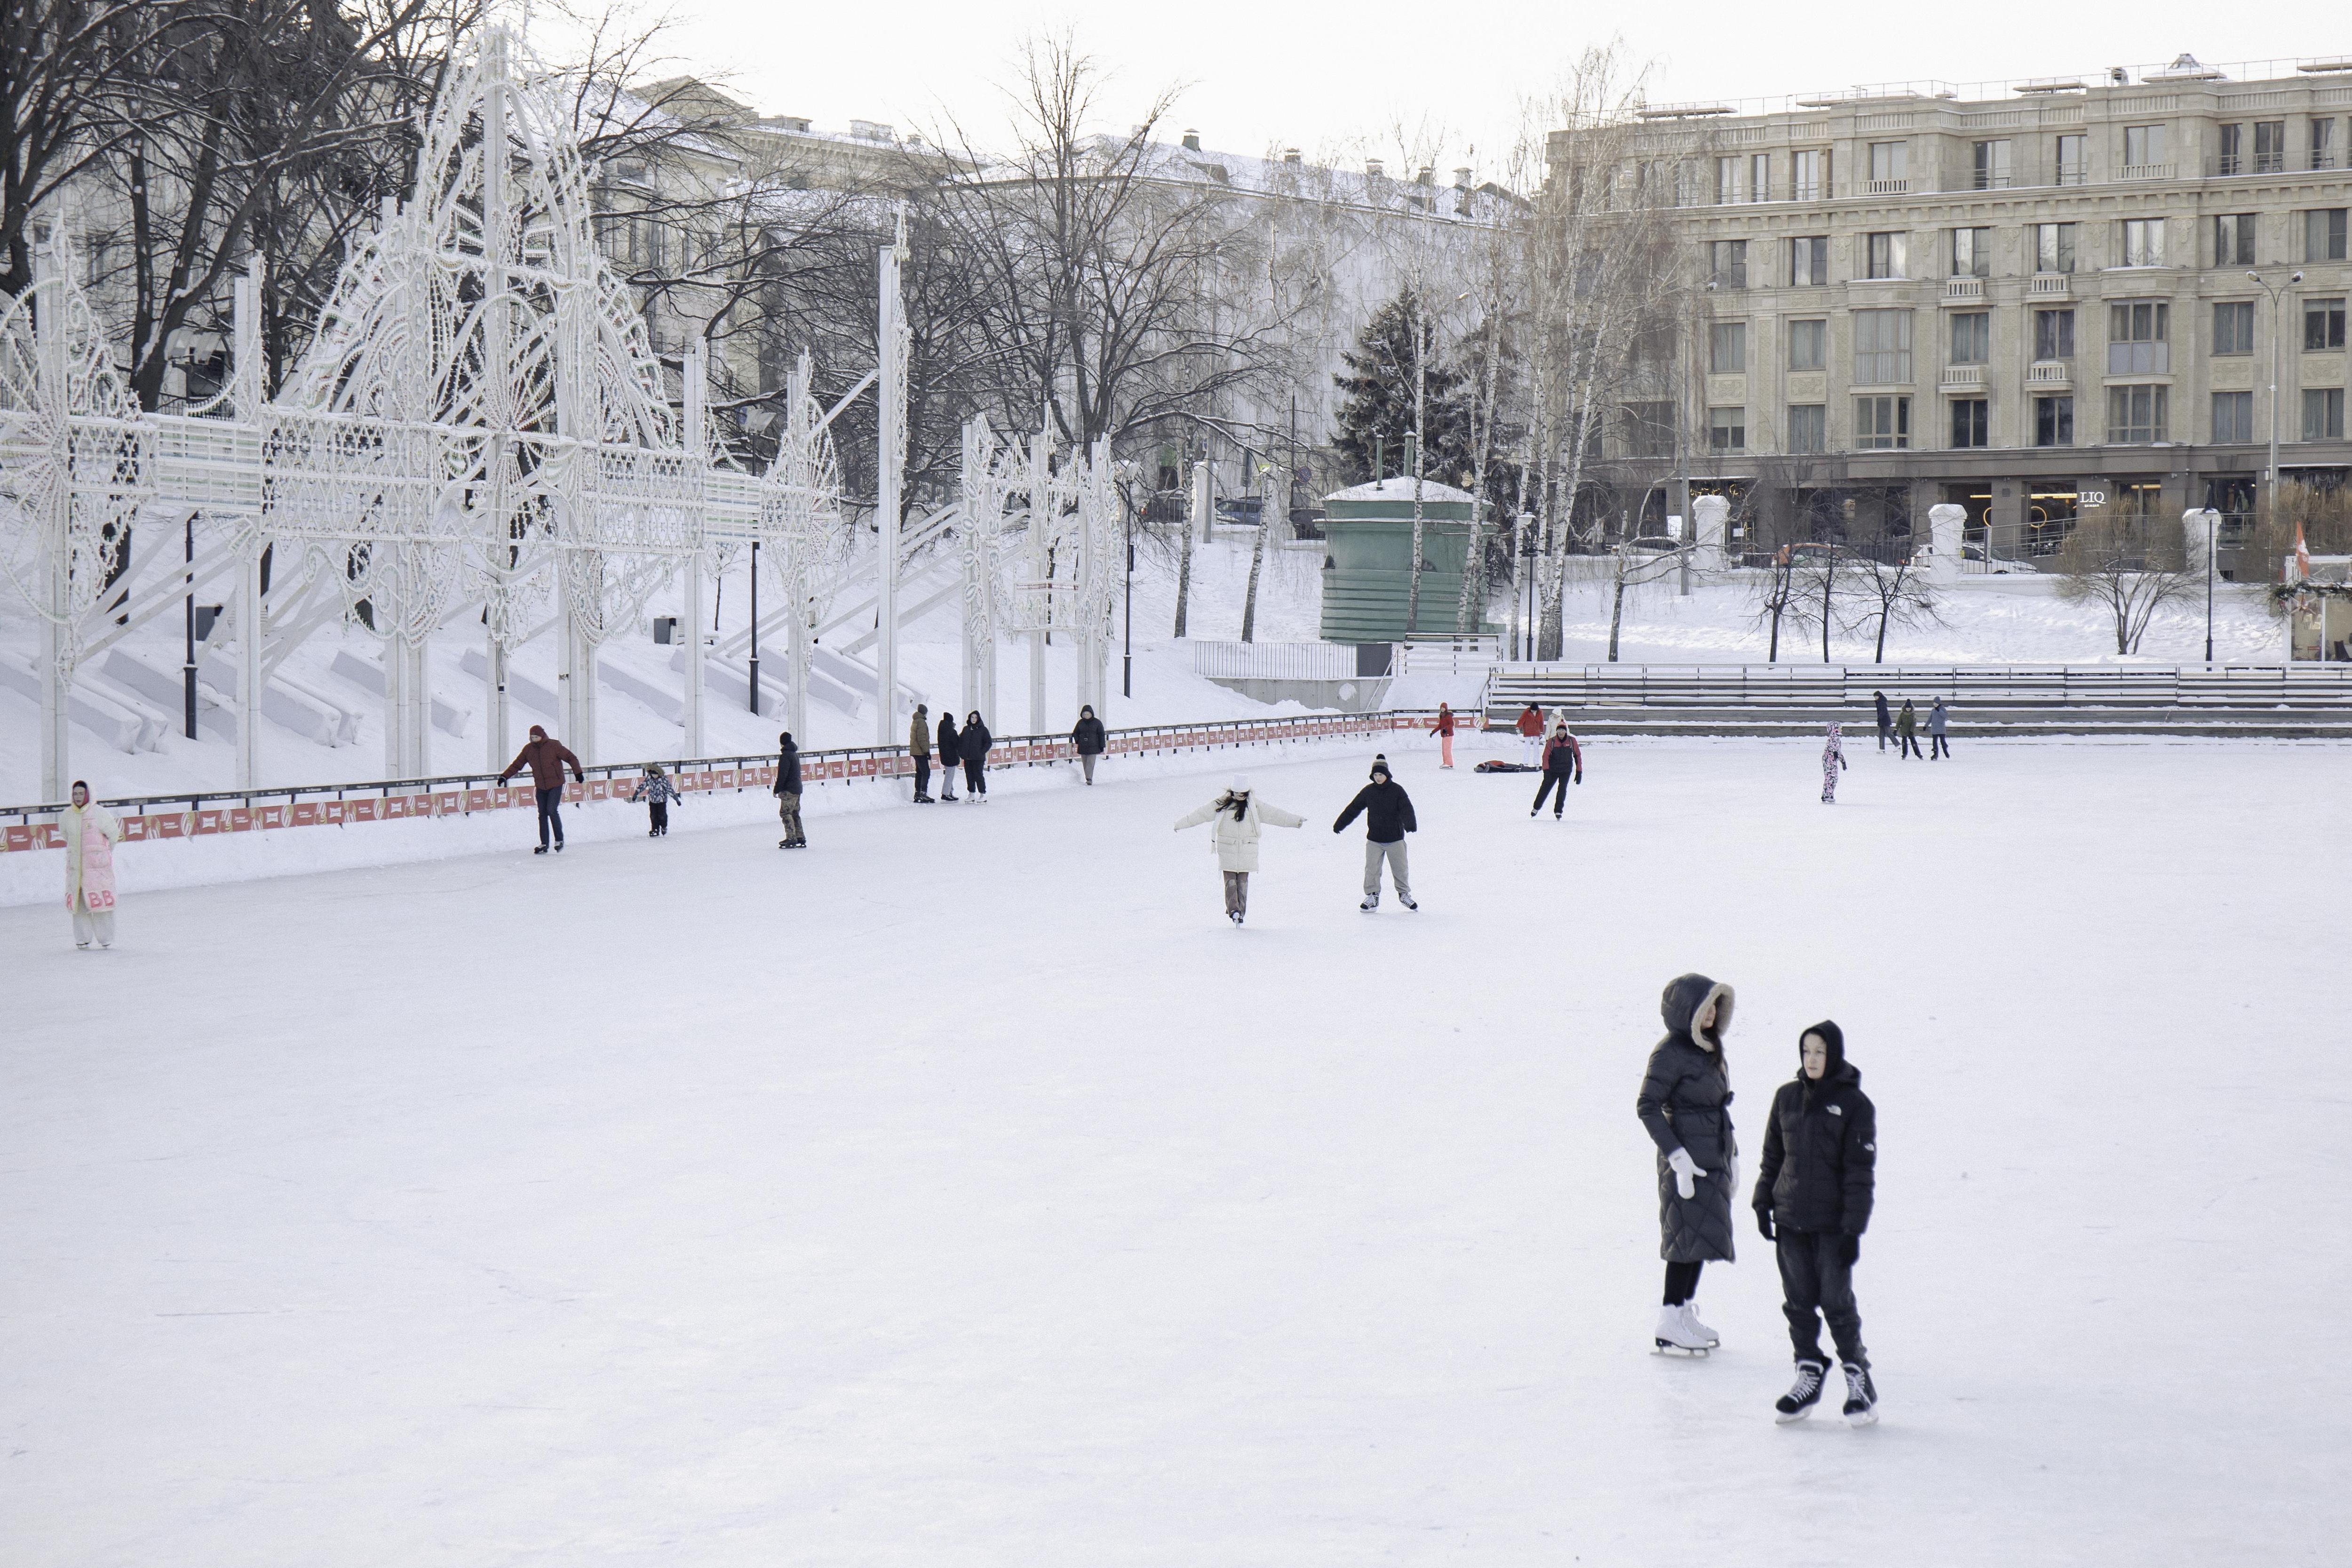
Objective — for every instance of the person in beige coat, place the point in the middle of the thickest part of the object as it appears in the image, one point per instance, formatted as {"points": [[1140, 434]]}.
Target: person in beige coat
{"points": [[1237, 816], [91, 832]]}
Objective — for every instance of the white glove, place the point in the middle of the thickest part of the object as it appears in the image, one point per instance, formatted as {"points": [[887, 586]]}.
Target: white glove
{"points": [[1687, 1172], [1731, 1176]]}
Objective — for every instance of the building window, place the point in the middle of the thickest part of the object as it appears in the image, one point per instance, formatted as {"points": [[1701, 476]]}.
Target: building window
{"points": [[2234, 327], [2137, 338], [2054, 334], [2135, 415], [1809, 261], [1889, 161], [1760, 177], [2270, 146], [1650, 429], [1970, 426], [1971, 338], [2143, 242], [1807, 427], [1726, 179], [2323, 413], [1727, 348], [1889, 253], [2322, 324], [1990, 164], [1882, 423], [2230, 144], [2322, 144], [1972, 253], [2234, 416], [2073, 160], [1809, 345], [1726, 430], [2053, 247], [1730, 259], [1882, 348], [1808, 175], [2053, 421], [2233, 240], [2143, 147], [2323, 234]]}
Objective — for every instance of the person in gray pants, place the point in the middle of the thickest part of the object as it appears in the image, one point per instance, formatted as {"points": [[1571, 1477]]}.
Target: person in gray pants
{"points": [[1388, 817]]}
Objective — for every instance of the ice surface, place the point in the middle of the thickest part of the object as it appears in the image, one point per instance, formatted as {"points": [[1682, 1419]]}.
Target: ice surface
{"points": [[965, 1190]]}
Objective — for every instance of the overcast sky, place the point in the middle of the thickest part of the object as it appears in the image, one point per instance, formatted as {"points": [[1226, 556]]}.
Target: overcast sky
{"points": [[1336, 78]]}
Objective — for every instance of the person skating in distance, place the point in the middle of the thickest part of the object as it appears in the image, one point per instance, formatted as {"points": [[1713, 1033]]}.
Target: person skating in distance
{"points": [[1813, 1191], [1686, 1107], [547, 759], [1088, 739], [1833, 759], [1563, 759], [91, 832], [787, 792], [1530, 727], [654, 789], [1238, 815], [1387, 811]]}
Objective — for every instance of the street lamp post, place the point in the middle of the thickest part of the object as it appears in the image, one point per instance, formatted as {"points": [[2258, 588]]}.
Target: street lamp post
{"points": [[2278, 295], [2213, 521]]}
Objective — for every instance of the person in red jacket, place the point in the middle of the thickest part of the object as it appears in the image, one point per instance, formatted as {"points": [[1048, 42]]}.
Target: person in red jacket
{"points": [[1530, 728], [1442, 728], [547, 759], [1562, 757]]}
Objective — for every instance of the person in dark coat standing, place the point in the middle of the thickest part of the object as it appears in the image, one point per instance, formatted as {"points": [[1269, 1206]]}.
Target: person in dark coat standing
{"points": [[1686, 1107], [948, 742], [972, 744], [1387, 811], [1907, 731], [1937, 716], [1088, 739], [1885, 719], [1563, 759], [1813, 1191], [918, 746], [547, 759], [787, 793]]}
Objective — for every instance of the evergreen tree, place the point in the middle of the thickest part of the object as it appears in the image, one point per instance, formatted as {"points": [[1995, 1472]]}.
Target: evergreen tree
{"points": [[1377, 400]]}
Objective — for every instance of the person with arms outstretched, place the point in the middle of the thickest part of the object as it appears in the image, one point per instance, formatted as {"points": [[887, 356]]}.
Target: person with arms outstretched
{"points": [[547, 759]]}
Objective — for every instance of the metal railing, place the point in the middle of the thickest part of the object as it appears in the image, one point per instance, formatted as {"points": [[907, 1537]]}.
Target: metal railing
{"points": [[1275, 661]]}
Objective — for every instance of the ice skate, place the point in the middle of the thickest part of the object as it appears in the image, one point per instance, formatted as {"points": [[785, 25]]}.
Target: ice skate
{"points": [[540, 851], [1234, 916], [1861, 1396], [1408, 903], [1799, 1402], [1678, 1336], [1369, 905], [1690, 1316]]}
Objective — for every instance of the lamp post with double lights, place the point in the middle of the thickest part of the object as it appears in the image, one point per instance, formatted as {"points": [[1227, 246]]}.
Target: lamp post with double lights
{"points": [[2277, 291]]}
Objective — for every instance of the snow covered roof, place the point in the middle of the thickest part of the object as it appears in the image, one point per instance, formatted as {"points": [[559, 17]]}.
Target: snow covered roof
{"points": [[1399, 489]]}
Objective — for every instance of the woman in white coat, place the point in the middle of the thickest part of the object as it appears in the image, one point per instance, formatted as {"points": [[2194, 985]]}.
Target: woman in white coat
{"points": [[91, 832], [1238, 815]]}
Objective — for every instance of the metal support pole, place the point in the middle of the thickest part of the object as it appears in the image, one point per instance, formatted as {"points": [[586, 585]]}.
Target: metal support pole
{"points": [[494, 688], [248, 667], [698, 442], [1126, 657], [1041, 522], [57, 640], [892, 425], [188, 662], [755, 682]]}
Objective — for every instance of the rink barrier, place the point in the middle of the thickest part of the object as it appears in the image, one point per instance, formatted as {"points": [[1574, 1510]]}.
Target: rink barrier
{"points": [[205, 814]]}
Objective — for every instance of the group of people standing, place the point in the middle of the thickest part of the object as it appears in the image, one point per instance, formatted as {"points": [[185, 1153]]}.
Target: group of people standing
{"points": [[966, 747], [1812, 1197]]}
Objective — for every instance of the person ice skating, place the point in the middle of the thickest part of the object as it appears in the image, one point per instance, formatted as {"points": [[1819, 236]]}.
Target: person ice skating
{"points": [[1236, 816], [1684, 1105], [948, 741], [1087, 738], [1907, 731], [1387, 811], [547, 759], [91, 832], [1833, 759], [1885, 719], [972, 744], [787, 793], [1562, 759], [1531, 729], [1442, 728], [1814, 1190], [1937, 716], [654, 789], [918, 746]]}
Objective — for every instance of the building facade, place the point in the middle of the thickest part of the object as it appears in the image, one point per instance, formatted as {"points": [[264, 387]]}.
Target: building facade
{"points": [[2036, 306]]}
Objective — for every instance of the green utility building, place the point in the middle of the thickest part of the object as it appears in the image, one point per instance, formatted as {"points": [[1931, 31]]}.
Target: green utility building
{"points": [[1368, 561]]}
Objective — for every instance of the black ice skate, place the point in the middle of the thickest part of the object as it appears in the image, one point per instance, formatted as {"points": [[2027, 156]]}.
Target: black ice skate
{"points": [[1861, 1396], [1799, 1402]]}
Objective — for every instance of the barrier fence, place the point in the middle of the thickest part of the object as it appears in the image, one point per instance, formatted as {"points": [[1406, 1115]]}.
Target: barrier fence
{"points": [[201, 813]]}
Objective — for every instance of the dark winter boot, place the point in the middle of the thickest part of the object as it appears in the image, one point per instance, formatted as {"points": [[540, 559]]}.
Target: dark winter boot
{"points": [[1803, 1395], [1861, 1396]]}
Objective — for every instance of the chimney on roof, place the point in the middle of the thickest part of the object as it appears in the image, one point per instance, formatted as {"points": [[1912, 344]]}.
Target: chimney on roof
{"points": [[1373, 169], [1290, 155], [1462, 178], [1192, 141], [1428, 175], [869, 130]]}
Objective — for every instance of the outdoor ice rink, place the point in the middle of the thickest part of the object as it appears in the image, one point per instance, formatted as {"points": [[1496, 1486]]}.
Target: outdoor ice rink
{"points": [[965, 1190]]}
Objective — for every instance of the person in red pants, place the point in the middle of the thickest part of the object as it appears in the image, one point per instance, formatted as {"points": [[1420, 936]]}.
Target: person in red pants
{"points": [[1442, 728]]}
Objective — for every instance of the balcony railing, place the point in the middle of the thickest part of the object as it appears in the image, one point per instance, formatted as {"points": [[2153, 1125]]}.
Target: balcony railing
{"points": [[1963, 288], [1885, 187], [1963, 376], [2050, 286], [2049, 374], [2227, 166], [2144, 171]]}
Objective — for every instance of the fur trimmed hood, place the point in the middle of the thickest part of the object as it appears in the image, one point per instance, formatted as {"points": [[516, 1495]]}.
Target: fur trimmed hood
{"points": [[1685, 997]]}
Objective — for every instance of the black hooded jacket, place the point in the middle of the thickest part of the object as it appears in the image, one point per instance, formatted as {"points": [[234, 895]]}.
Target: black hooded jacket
{"points": [[1386, 809], [974, 741], [788, 770], [947, 741], [1087, 737], [1821, 1147]]}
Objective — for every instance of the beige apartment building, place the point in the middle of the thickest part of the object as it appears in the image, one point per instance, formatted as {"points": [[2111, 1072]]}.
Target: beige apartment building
{"points": [[2034, 304]]}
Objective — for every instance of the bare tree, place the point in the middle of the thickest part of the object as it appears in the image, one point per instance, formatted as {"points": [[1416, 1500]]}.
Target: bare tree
{"points": [[1888, 594], [1776, 597], [2130, 567]]}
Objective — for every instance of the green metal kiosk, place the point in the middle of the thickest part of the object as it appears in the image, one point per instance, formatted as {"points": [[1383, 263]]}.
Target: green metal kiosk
{"points": [[1368, 561]]}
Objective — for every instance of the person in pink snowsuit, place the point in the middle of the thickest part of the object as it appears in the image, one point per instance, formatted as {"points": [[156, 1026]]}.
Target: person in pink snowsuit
{"points": [[1832, 759]]}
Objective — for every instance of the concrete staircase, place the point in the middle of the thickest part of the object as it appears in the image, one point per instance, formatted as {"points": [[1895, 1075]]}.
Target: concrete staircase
{"points": [[2269, 702]]}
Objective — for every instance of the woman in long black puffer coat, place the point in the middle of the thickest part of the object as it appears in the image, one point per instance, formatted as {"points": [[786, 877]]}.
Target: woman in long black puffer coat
{"points": [[950, 745], [1684, 1106]]}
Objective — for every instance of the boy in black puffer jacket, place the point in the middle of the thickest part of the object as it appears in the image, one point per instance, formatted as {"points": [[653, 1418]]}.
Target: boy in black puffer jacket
{"points": [[1813, 1200]]}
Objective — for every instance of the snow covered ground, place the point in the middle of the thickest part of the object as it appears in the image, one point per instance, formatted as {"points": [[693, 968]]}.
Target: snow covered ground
{"points": [[965, 1190]]}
